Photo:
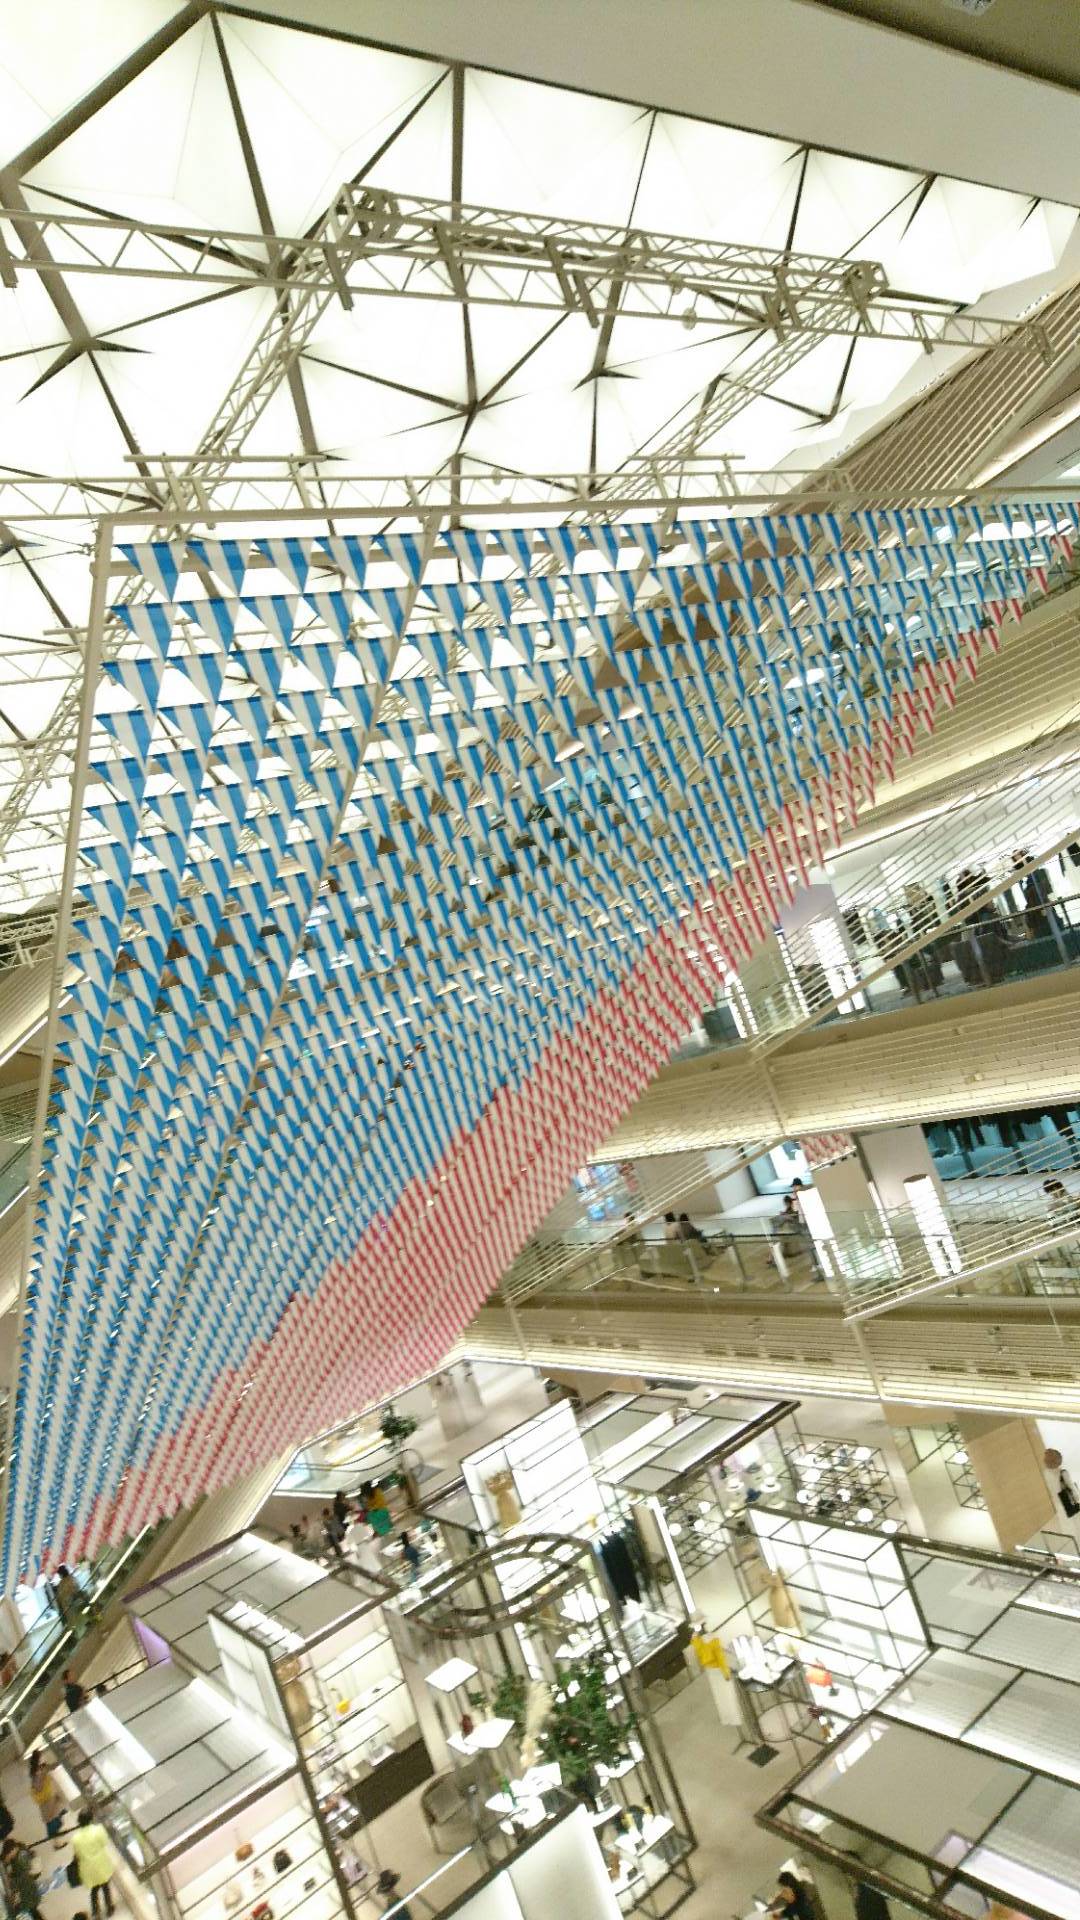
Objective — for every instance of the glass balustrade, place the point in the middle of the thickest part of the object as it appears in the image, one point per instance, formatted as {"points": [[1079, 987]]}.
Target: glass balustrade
{"points": [[49, 1645], [1007, 1244], [14, 1173], [783, 991]]}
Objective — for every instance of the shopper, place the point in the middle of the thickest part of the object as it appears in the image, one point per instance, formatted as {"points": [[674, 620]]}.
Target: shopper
{"points": [[7, 1820], [789, 1220], [386, 1887], [69, 1600], [333, 1533], [870, 1904], [74, 1694], [1037, 895], [671, 1227], [21, 1892], [1063, 1206], [93, 1851], [341, 1510], [792, 1898], [922, 913], [47, 1797], [411, 1555], [686, 1230], [360, 1548]]}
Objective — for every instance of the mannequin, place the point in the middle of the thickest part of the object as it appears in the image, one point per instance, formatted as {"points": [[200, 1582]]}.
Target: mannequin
{"points": [[502, 1491], [298, 1704], [783, 1605], [711, 1656]]}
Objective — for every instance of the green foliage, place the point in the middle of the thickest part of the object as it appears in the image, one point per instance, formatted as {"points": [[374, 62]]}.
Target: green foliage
{"points": [[580, 1729], [396, 1428], [508, 1699]]}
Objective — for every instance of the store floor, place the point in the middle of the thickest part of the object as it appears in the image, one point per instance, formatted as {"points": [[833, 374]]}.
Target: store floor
{"points": [[723, 1789], [62, 1902]]}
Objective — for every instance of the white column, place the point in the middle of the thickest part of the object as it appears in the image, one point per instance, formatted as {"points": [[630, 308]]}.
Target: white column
{"points": [[893, 1155]]}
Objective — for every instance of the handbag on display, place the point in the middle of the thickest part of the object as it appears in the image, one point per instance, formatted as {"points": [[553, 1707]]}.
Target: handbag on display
{"points": [[245, 1850], [263, 1911], [282, 1861], [232, 1896]]}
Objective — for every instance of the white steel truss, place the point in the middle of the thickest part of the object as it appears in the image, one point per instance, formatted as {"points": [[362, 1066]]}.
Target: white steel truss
{"points": [[476, 359], [376, 242]]}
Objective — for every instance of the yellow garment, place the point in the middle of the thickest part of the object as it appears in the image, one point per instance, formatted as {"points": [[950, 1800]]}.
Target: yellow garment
{"points": [[710, 1652], [46, 1795]]}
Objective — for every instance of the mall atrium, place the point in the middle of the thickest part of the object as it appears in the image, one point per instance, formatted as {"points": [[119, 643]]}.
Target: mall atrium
{"points": [[539, 885]]}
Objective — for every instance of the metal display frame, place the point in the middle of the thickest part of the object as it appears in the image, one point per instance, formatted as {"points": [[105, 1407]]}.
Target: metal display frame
{"points": [[794, 1815]]}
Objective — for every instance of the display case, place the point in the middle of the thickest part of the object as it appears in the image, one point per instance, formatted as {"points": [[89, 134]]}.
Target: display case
{"points": [[549, 1707], [206, 1805], [329, 1678]]}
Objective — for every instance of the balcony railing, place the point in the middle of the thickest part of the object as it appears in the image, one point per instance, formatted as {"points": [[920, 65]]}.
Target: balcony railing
{"points": [[999, 946], [52, 1642]]}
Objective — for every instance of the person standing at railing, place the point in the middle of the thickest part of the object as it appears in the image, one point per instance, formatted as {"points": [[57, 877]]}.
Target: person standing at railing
{"points": [[686, 1230], [1062, 1206], [1037, 895], [360, 1546], [75, 1695], [983, 955], [47, 1798], [332, 1532]]}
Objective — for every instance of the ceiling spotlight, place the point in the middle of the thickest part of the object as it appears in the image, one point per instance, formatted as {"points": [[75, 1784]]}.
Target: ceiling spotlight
{"points": [[864, 1516]]}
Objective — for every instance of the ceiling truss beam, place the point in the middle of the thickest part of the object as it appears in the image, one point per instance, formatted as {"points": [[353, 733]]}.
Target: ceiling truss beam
{"points": [[395, 246]]}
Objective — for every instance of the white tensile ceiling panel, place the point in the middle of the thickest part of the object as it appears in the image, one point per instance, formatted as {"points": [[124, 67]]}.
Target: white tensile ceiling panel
{"points": [[225, 121]]}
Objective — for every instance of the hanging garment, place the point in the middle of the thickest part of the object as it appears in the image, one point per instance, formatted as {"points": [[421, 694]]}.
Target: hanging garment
{"points": [[639, 1559], [504, 1493], [709, 1652], [870, 1904], [653, 1551], [619, 1568], [1067, 1495]]}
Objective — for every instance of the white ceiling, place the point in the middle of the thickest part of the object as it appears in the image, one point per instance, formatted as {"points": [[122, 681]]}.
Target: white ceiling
{"points": [[239, 122]]}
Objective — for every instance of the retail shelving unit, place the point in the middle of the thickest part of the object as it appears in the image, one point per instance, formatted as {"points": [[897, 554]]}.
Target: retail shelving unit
{"points": [[840, 1481], [961, 1785], [962, 1474]]}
